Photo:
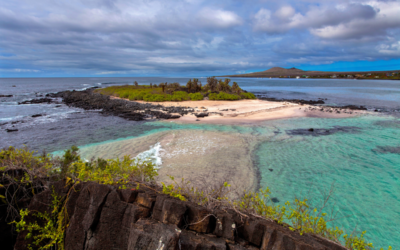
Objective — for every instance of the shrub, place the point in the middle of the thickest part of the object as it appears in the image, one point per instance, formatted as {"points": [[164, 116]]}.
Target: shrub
{"points": [[247, 95], [180, 96], [137, 95], [196, 96], [223, 96]]}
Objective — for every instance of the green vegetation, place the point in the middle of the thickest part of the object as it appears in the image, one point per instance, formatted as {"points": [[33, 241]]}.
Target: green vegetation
{"points": [[48, 230], [214, 90]]}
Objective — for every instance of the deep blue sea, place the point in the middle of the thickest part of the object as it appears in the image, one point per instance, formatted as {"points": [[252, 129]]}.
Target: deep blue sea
{"points": [[359, 156]]}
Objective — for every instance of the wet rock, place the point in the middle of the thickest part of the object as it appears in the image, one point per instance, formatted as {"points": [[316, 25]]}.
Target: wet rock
{"points": [[37, 115], [37, 101], [275, 200], [201, 115], [11, 130], [270, 169], [298, 101], [387, 150], [6, 95], [311, 129], [322, 132]]}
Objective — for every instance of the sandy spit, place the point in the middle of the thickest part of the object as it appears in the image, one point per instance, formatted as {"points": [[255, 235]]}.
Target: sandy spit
{"points": [[205, 158], [252, 111]]}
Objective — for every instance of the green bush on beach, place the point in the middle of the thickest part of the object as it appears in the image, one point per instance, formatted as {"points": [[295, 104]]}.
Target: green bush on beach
{"points": [[214, 90], [124, 173]]}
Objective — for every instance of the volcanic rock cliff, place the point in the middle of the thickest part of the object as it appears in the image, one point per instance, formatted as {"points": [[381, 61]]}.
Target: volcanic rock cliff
{"points": [[103, 217]]}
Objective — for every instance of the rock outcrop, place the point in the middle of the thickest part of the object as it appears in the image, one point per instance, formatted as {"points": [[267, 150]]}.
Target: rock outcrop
{"points": [[129, 110], [102, 217]]}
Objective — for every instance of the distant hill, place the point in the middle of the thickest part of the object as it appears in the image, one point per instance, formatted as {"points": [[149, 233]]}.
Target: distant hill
{"points": [[293, 72], [279, 70]]}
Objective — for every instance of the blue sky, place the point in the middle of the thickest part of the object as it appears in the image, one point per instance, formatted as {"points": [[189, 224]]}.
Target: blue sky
{"points": [[46, 38]]}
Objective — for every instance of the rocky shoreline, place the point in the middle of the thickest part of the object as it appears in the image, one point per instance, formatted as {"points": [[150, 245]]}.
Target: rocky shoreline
{"points": [[88, 100], [137, 111], [320, 101]]}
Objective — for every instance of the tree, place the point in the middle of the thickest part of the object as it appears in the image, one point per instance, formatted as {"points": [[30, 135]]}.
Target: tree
{"points": [[235, 88], [162, 85], [151, 85], [195, 84], [212, 83], [189, 85], [136, 83]]}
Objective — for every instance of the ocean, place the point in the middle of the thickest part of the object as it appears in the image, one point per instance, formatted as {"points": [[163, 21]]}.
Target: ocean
{"points": [[359, 157]]}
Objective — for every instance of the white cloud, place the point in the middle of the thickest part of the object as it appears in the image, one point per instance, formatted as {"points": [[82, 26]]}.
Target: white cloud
{"points": [[341, 21], [286, 12], [219, 18], [20, 70]]}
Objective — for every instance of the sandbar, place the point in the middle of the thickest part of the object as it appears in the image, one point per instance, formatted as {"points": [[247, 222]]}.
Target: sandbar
{"points": [[254, 111], [205, 158]]}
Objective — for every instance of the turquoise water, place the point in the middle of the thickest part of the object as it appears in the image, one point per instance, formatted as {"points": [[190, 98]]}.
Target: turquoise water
{"points": [[366, 180], [346, 153]]}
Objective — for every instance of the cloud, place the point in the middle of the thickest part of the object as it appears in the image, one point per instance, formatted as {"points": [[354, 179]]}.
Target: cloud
{"points": [[185, 37], [219, 18]]}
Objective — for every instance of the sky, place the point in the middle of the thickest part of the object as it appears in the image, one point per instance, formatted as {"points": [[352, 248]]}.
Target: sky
{"points": [[94, 38]]}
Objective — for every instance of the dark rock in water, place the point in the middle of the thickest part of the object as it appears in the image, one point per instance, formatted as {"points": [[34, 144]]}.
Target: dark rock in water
{"points": [[275, 200], [11, 130], [270, 169], [388, 124], [387, 150], [6, 95], [320, 131], [299, 101], [201, 115], [351, 107], [37, 115], [37, 101], [14, 86], [129, 110]]}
